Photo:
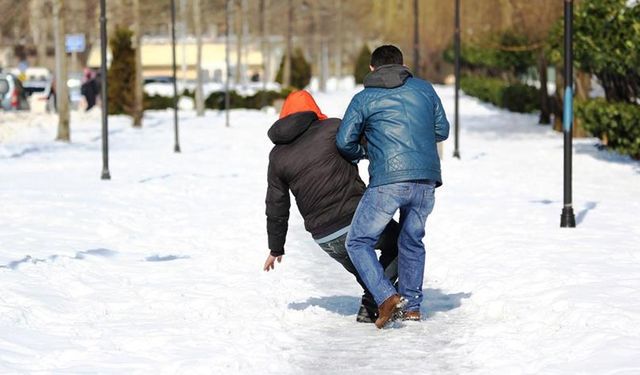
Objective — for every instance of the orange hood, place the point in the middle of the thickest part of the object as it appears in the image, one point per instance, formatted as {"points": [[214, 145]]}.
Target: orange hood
{"points": [[300, 101]]}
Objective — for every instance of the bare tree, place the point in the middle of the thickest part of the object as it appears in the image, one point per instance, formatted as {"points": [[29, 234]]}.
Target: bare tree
{"points": [[62, 97], [197, 23], [137, 40], [286, 74], [238, 34], [37, 23], [265, 47]]}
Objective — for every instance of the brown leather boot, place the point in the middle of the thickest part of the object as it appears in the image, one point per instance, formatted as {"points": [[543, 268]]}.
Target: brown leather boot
{"points": [[389, 308], [412, 315]]}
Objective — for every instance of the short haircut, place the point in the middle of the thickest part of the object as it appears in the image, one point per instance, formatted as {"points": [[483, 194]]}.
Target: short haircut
{"points": [[385, 55]]}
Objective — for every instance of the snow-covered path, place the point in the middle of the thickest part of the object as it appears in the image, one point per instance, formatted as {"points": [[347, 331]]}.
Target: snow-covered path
{"points": [[159, 269]]}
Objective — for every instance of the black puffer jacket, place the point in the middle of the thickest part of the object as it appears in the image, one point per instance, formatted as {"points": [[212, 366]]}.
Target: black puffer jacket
{"points": [[306, 161]]}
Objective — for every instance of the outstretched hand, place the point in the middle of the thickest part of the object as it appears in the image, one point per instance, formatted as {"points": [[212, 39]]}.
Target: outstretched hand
{"points": [[269, 264]]}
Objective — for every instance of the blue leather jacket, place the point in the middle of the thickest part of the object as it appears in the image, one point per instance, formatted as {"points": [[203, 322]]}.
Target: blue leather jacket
{"points": [[401, 118]]}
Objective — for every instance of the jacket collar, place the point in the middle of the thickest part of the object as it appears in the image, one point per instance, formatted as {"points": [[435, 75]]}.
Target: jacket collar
{"points": [[388, 76]]}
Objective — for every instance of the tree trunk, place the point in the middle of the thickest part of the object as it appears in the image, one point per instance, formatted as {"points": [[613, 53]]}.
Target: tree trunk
{"points": [[38, 32], [416, 38], [238, 32], [246, 42], [138, 111], [199, 79], [558, 103], [545, 112], [264, 48], [324, 67], [338, 41], [318, 49], [286, 74], [183, 37], [62, 97], [583, 85]]}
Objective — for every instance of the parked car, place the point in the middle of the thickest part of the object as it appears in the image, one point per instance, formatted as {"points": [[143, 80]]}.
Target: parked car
{"points": [[12, 94], [37, 83], [42, 93], [157, 79]]}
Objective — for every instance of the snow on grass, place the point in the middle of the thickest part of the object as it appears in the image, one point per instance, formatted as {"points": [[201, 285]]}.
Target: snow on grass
{"points": [[159, 269]]}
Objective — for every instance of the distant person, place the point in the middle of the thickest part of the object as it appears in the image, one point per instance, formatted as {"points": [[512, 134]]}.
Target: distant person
{"points": [[327, 189], [51, 98], [89, 87], [402, 119]]}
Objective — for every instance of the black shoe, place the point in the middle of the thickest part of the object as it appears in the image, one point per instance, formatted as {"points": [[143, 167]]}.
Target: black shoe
{"points": [[368, 312]]}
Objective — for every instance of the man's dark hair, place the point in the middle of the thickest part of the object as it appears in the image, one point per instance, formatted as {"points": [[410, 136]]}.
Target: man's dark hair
{"points": [[385, 55]]}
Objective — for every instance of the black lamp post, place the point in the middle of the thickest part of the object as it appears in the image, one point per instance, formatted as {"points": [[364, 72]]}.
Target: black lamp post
{"points": [[175, 80], [103, 80], [456, 41], [567, 218]]}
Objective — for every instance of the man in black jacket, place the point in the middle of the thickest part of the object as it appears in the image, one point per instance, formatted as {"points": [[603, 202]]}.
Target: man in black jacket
{"points": [[327, 189]]}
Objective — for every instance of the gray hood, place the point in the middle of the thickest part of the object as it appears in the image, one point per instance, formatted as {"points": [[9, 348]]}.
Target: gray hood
{"points": [[388, 76]]}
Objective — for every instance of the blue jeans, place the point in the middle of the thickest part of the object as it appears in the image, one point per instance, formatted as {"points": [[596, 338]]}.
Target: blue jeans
{"points": [[415, 201]]}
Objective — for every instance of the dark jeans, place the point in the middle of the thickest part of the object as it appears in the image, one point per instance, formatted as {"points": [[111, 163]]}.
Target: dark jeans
{"points": [[388, 246]]}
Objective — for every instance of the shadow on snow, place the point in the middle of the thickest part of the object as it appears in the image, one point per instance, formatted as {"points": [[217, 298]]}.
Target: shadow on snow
{"points": [[434, 301], [81, 255], [105, 253]]}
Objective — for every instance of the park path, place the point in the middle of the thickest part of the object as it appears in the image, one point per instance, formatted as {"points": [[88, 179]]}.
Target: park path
{"points": [[159, 270]]}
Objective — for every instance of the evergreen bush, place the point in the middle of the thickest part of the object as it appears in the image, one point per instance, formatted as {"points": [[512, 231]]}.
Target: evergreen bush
{"points": [[122, 73], [300, 70], [362, 64], [521, 98]]}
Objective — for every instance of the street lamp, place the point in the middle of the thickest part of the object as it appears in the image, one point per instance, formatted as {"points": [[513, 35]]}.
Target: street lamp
{"points": [[103, 80], [567, 218], [175, 81], [456, 41]]}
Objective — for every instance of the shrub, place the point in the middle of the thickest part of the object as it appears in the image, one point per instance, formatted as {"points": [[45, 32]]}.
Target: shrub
{"points": [[300, 70], [216, 99], [122, 73], [516, 97], [486, 89], [362, 64], [522, 98], [617, 124], [157, 101]]}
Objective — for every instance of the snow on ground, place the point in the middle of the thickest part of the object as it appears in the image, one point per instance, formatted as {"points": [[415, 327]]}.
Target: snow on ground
{"points": [[159, 269]]}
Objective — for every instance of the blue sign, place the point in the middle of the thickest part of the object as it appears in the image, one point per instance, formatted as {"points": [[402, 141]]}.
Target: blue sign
{"points": [[74, 43]]}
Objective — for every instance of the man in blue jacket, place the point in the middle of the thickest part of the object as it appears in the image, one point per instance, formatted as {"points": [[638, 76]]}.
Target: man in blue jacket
{"points": [[402, 119]]}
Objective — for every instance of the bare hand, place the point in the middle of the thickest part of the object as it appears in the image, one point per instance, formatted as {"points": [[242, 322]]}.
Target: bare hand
{"points": [[269, 264]]}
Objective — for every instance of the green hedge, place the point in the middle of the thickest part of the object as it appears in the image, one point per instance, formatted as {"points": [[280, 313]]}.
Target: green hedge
{"points": [[521, 98], [216, 100], [617, 124], [516, 97], [157, 102]]}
